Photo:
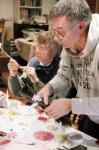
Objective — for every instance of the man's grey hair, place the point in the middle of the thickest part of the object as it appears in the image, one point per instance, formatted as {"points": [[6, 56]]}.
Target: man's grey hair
{"points": [[75, 10]]}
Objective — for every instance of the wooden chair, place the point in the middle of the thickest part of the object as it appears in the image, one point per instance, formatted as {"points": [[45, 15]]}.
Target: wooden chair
{"points": [[3, 57], [2, 31]]}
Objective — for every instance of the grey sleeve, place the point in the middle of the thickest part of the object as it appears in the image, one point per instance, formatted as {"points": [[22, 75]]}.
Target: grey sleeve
{"points": [[14, 86], [61, 83], [15, 83], [87, 106]]}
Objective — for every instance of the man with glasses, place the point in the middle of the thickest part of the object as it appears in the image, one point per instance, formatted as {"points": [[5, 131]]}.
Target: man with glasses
{"points": [[78, 31]]}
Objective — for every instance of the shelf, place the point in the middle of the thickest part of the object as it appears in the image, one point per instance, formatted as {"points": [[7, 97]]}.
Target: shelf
{"points": [[27, 9], [35, 3], [30, 7], [31, 11]]}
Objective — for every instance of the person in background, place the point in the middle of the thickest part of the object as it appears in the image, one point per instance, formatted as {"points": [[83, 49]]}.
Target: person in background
{"points": [[42, 67], [78, 30]]}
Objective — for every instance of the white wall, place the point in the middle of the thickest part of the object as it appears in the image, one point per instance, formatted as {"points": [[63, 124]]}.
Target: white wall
{"points": [[7, 12]]}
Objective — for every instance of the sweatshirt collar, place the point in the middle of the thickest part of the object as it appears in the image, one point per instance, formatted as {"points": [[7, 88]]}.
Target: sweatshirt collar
{"points": [[93, 36]]}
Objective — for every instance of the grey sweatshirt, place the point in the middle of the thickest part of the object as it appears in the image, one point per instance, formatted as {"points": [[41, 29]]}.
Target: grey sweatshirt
{"points": [[83, 70]]}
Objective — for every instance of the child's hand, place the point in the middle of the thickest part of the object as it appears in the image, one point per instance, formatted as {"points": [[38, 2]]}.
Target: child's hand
{"points": [[13, 67], [30, 71]]}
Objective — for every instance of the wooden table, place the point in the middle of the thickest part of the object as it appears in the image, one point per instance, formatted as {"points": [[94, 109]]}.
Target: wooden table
{"points": [[22, 119]]}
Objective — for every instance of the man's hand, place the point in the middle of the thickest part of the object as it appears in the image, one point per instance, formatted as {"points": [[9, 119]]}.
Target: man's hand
{"points": [[44, 93], [58, 108], [13, 67]]}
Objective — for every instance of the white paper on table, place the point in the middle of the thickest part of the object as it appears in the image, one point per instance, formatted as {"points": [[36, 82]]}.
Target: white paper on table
{"points": [[26, 123]]}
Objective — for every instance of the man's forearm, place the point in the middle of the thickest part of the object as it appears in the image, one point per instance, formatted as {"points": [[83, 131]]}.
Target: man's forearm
{"points": [[51, 90]]}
